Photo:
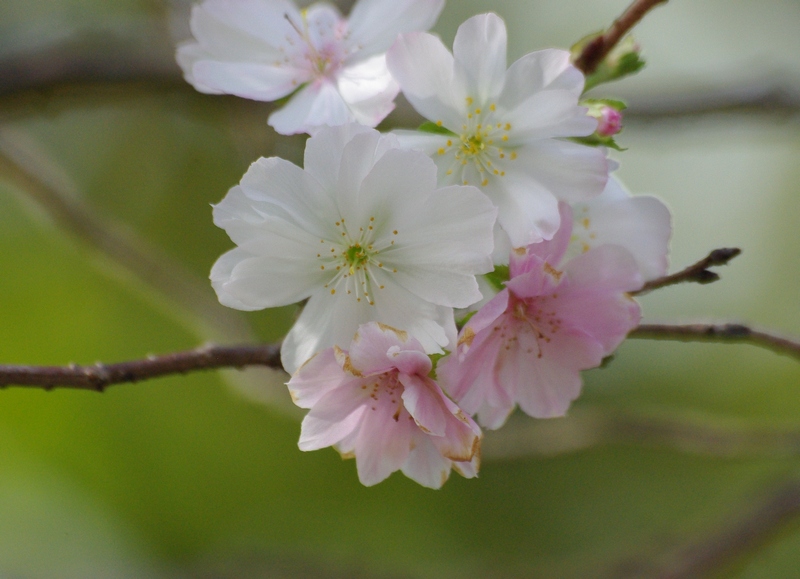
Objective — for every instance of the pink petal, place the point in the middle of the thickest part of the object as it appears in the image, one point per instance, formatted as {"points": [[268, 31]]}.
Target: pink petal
{"points": [[315, 379], [382, 445], [425, 464]]}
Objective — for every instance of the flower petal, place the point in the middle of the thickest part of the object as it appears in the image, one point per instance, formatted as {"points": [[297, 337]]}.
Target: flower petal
{"points": [[375, 24], [641, 224], [424, 401], [316, 105], [479, 50], [334, 416], [424, 69], [315, 379], [549, 114], [323, 153], [261, 82], [425, 464], [382, 445], [570, 171], [369, 90], [327, 320], [370, 350], [544, 70]]}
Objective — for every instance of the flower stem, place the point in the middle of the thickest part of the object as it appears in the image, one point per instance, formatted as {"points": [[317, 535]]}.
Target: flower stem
{"points": [[596, 50]]}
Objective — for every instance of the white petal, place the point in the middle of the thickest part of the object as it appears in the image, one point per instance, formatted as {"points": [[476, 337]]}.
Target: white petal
{"points": [[316, 105], [570, 171], [323, 155], [642, 225], [262, 82], [369, 90], [421, 141], [479, 50], [281, 189], [375, 24], [548, 114], [264, 20], [433, 326], [254, 283], [424, 69], [527, 211], [549, 69], [221, 35], [451, 241]]}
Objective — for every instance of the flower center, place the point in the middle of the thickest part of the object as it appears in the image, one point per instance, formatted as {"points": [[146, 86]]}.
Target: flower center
{"points": [[354, 260], [321, 45], [536, 316], [479, 150]]}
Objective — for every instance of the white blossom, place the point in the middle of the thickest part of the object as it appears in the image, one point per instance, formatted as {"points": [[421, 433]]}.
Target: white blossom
{"points": [[268, 49], [506, 126], [363, 232]]}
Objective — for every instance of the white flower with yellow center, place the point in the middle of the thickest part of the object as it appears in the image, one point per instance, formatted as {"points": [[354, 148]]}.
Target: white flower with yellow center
{"points": [[363, 232], [267, 49], [501, 130]]}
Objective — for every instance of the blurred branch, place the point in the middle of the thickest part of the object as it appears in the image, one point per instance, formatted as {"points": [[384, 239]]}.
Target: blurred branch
{"points": [[585, 427], [99, 376], [40, 180], [596, 50], [729, 543], [697, 273], [723, 333]]}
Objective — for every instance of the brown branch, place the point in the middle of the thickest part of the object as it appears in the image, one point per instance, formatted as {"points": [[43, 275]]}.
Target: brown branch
{"points": [[99, 376], [697, 273], [723, 333], [597, 49]]}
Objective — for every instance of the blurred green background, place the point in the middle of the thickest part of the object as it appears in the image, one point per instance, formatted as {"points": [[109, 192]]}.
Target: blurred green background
{"points": [[105, 253]]}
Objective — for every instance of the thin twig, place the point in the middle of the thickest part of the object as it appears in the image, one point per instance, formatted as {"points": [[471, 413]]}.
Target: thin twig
{"points": [[697, 273], [99, 376], [724, 333], [596, 50]]}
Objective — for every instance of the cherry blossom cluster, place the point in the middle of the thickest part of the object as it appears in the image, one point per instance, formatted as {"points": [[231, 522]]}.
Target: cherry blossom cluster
{"points": [[500, 214]]}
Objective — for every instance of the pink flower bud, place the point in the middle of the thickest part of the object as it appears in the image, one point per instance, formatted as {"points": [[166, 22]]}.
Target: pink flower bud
{"points": [[609, 122]]}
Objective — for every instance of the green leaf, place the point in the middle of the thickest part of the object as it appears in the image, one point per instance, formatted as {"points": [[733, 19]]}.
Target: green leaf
{"points": [[596, 140], [431, 127], [498, 277]]}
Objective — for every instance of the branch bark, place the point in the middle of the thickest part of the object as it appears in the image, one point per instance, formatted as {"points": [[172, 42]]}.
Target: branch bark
{"points": [[698, 272], [100, 376], [596, 50], [723, 333]]}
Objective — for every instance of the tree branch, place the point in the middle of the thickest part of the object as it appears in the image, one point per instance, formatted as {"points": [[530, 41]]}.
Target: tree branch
{"points": [[596, 50], [698, 272], [723, 333], [99, 376]]}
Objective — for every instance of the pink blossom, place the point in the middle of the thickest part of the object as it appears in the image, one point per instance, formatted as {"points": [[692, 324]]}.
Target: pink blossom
{"points": [[528, 344], [376, 403]]}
